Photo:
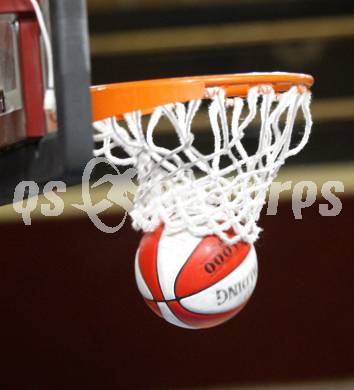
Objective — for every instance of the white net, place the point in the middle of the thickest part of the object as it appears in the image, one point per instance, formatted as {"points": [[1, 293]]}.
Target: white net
{"points": [[185, 189]]}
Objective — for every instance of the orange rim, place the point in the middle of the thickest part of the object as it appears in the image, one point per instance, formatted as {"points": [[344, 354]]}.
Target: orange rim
{"points": [[117, 99], [239, 84]]}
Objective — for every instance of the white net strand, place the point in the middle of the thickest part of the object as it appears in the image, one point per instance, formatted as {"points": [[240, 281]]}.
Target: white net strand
{"points": [[185, 189]]}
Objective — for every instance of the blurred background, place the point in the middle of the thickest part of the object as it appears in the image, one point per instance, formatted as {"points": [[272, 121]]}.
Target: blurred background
{"points": [[71, 314]]}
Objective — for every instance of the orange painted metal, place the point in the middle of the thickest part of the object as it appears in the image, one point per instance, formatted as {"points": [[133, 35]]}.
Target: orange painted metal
{"points": [[117, 99]]}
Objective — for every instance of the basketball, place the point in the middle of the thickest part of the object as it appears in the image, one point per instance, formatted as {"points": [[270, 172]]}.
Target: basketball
{"points": [[194, 282]]}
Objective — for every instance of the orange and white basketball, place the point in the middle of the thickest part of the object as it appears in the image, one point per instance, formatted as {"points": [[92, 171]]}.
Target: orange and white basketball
{"points": [[194, 282]]}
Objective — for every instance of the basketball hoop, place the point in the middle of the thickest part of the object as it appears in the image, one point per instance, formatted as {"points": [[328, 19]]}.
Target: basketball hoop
{"points": [[182, 187]]}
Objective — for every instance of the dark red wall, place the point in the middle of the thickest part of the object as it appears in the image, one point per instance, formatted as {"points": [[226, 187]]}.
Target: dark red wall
{"points": [[71, 317]]}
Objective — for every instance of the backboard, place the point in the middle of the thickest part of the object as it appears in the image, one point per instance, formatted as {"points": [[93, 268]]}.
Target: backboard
{"points": [[33, 146]]}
